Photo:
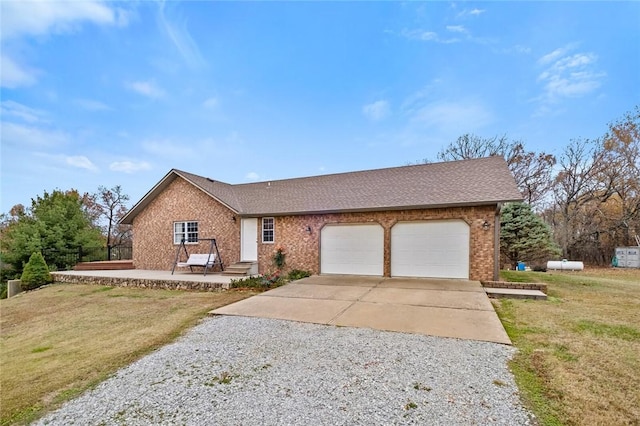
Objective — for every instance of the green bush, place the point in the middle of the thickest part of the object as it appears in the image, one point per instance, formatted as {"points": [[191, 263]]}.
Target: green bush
{"points": [[539, 268], [35, 273], [3, 290], [248, 282], [297, 274], [262, 282]]}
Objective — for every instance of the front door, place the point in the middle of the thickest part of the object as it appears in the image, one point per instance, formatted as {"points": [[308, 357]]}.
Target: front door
{"points": [[249, 240]]}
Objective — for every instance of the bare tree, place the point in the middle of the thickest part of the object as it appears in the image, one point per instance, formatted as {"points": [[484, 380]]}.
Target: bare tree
{"points": [[532, 171], [621, 147], [470, 146], [109, 204]]}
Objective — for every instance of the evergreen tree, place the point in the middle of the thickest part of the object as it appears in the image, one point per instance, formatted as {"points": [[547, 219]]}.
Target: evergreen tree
{"points": [[524, 236], [36, 273]]}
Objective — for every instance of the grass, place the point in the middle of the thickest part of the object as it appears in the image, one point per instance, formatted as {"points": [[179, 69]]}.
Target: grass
{"points": [[58, 341], [579, 353]]}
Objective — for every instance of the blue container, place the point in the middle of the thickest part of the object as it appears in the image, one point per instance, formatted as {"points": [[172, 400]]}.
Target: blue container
{"points": [[521, 266]]}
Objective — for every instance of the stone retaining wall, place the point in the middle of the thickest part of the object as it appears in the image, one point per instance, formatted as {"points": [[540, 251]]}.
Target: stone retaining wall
{"points": [[139, 283], [520, 286]]}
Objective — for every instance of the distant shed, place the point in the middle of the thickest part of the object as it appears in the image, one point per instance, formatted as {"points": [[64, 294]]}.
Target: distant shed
{"points": [[628, 257]]}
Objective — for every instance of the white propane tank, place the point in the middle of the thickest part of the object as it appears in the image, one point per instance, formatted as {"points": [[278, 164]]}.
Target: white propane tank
{"points": [[565, 265]]}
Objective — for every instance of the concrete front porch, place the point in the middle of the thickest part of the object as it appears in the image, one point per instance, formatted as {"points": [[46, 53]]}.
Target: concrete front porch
{"points": [[180, 280]]}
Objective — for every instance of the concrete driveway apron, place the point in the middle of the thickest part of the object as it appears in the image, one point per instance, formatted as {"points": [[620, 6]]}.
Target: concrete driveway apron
{"points": [[435, 307]]}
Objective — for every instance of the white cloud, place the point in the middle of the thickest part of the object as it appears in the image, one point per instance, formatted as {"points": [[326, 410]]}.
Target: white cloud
{"points": [[23, 112], [181, 39], [37, 18], [457, 29], [567, 75], [421, 35], [376, 111], [20, 135], [129, 166], [577, 60], [81, 162], [42, 17], [459, 34], [13, 75], [211, 103], [471, 12], [91, 105], [78, 161], [146, 88], [553, 56], [466, 115], [252, 176]]}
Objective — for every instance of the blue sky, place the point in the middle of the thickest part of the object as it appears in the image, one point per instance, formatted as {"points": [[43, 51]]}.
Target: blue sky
{"points": [[118, 93]]}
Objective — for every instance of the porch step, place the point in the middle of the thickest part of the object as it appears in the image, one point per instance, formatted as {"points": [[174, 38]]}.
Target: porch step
{"points": [[241, 269], [515, 293], [107, 265]]}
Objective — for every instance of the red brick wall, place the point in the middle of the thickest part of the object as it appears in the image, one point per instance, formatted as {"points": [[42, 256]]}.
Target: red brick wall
{"points": [[153, 246], [303, 249]]}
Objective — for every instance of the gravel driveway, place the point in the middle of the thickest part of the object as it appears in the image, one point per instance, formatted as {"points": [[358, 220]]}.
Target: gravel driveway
{"points": [[254, 371]]}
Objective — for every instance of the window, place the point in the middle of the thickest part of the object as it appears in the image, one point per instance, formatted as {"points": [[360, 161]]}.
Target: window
{"points": [[185, 230], [268, 229]]}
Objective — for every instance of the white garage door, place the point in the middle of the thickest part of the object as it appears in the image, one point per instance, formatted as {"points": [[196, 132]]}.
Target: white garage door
{"points": [[352, 249], [438, 249]]}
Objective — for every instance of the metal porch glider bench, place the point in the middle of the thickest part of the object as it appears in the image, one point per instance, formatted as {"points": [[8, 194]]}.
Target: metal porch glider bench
{"points": [[203, 260]]}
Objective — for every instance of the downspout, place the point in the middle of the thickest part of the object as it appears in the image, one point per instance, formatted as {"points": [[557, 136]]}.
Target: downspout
{"points": [[496, 243]]}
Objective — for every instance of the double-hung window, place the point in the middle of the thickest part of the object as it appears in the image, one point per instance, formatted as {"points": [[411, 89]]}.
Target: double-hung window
{"points": [[185, 230], [268, 230]]}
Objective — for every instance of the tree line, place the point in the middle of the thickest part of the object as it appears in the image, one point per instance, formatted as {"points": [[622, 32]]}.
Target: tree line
{"points": [[60, 222], [580, 205]]}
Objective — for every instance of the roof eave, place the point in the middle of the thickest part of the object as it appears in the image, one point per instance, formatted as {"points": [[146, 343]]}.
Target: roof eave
{"points": [[127, 219], [383, 208], [157, 189], [233, 209]]}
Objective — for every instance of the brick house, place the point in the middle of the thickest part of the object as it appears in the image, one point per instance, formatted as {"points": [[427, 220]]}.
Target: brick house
{"points": [[432, 220]]}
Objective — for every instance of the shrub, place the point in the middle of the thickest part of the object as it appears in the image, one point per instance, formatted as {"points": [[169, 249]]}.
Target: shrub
{"points": [[3, 290], [297, 274], [279, 256], [274, 279], [35, 273], [269, 280], [539, 268], [249, 282]]}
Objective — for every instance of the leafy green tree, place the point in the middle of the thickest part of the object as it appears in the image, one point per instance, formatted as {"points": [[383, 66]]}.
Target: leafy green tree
{"points": [[55, 225], [524, 236], [36, 273]]}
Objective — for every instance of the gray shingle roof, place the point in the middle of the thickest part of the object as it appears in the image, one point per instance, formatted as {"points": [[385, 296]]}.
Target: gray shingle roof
{"points": [[457, 183]]}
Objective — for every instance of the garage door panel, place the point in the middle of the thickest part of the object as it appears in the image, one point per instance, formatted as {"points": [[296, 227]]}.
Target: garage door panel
{"points": [[438, 249], [352, 249]]}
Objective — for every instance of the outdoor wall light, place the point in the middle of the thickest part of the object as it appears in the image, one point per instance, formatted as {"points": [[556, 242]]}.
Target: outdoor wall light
{"points": [[308, 230], [233, 218], [486, 225]]}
